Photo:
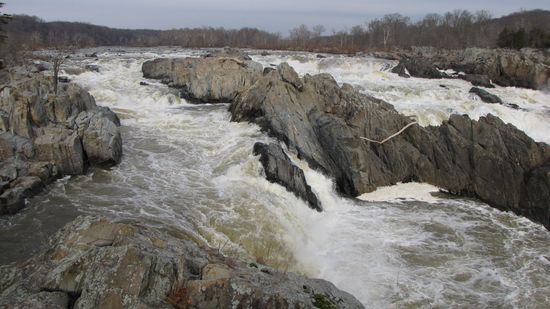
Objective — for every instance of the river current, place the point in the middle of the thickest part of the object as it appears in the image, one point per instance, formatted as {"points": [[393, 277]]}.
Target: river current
{"points": [[188, 168]]}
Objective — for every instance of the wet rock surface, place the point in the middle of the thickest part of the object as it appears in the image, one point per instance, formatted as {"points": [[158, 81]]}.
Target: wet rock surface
{"points": [[526, 68], [279, 168], [94, 263], [212, 79], [325, 125], [486, 96], [44, 135]]}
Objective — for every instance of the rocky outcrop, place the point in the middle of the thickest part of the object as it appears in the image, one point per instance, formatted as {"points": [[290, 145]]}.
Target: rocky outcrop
{"points": [[94, 263], [526, 68], [477, 80], [279, 169], [417, 67], [324, 124], [401, 70], [44, 136], [211, 79], [486, 96]]}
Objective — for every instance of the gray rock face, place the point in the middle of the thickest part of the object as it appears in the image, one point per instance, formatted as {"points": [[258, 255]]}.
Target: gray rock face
{"points": [[279, 169], [486, 96], [478, 80], [526, 68], [324, 124], [93, 263], [417, 67], [205, 80], [401, 70], [47, 135]]}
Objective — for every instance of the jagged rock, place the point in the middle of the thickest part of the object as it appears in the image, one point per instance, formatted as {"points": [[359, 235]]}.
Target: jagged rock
{"points": [[13, 198], [279, 169], [62, 147], [477, 80], [93, 263], [324, 124], [525, 68], [290, 76], [205, 80], [485, 95], [47, 135], [400, 70], [265, 53], [143, 84], [228, 52], [102, 141], [418, 67]]}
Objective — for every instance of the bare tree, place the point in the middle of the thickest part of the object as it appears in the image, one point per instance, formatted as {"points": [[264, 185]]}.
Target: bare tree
{"points": [[317, 30], [57, 57]]}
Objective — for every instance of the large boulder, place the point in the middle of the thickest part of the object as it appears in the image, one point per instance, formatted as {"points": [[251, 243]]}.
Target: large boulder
{"points": [[94, 263], [46, 135], [279, 168], [205, 80], [326, 125]]}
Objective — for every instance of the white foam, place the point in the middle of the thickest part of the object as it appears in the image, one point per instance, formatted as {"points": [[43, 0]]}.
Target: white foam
{"points": [[189, 168], [411, 191]]}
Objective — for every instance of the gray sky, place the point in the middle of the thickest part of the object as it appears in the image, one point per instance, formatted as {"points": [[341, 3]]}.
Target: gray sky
{"points": [[275, 15]]}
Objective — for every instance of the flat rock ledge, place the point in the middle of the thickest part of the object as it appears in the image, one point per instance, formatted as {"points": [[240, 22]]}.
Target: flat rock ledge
{"points": [[95, 263], [328, 126], [44, 135]]}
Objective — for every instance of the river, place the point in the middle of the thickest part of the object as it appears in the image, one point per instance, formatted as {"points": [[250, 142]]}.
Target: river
{"points": [[187, 168]]}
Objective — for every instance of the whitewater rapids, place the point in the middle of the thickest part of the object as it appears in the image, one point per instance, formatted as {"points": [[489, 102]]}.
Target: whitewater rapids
{"points": [[187, 168]]}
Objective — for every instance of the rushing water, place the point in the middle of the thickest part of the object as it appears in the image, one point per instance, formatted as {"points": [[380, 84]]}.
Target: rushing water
{"points": [[188, 168]]}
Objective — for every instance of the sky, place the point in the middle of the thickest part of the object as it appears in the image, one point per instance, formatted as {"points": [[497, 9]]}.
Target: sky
{"points": [[274, 15]]}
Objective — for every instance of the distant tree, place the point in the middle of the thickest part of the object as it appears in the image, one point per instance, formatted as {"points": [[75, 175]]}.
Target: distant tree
{"points": [[505, 38], [300, 35], [539, 38], [4, 19], [317, 30], [520, 39]]}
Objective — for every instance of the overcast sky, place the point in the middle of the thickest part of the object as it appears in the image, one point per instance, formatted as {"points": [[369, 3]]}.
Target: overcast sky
{"points": [[274, 15]]}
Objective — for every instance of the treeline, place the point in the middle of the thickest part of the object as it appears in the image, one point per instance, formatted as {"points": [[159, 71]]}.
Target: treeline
{"points": [[456, 29], [520, 38]]}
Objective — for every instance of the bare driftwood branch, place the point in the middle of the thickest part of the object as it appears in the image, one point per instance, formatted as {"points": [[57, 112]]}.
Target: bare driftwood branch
{"points": [[391, 136]]}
